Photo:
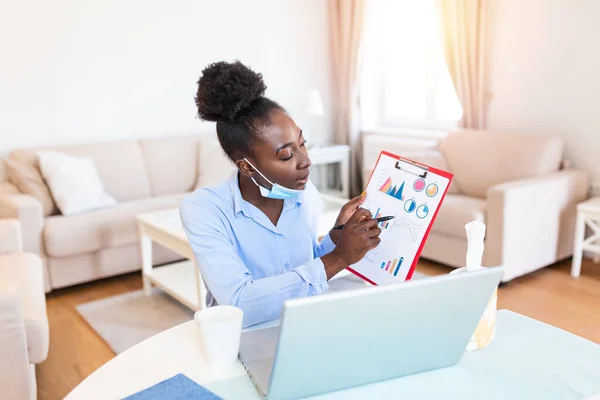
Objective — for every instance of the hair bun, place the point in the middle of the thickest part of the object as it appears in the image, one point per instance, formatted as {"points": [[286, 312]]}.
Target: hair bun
{"points": [[224, 89]]}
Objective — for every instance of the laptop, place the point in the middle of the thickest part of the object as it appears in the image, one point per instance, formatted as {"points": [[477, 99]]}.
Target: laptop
{"points": [[345, 339]]}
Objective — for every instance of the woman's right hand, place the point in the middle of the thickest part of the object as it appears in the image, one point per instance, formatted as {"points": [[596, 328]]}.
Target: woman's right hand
{"points": [[359, 235]]}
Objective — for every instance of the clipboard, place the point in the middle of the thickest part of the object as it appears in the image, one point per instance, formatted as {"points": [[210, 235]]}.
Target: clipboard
{"points": [[413, 193]]}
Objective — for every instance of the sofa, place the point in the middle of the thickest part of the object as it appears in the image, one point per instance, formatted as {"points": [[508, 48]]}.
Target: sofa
{"points": [[519, 185], [24, 336], [141, 175]]}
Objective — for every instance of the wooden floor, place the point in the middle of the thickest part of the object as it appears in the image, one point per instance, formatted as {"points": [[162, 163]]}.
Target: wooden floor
{"points": [[549, 295]]}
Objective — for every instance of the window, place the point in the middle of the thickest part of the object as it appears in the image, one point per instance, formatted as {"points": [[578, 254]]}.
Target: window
{"points": [[405, 81]]}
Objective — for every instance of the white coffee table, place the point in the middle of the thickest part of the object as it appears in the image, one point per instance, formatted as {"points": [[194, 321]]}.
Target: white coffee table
{"points": [[182, 280], [528, 360]]}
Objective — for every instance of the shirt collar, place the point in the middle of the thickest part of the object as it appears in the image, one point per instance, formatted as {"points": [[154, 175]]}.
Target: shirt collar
{"points": [[239, 204]]}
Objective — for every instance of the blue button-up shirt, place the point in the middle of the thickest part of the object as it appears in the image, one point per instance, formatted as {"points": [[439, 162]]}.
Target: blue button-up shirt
{"points": [[248, 262]]}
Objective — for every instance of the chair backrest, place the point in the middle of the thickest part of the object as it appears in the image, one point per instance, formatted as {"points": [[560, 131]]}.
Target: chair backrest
{"points": [[481, 159]]}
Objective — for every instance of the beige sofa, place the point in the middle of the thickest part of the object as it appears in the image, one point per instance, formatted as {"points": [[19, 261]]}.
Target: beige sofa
{"points": [[514, 183], [142, 175], [24, 334]]}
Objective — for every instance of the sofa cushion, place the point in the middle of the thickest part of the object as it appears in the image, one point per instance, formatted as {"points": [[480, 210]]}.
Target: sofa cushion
{"points": [[28, 179], [120, 165], [171, 164], [8, 188], [213, 164], [96, 230], [481, 159], [456, 211]]}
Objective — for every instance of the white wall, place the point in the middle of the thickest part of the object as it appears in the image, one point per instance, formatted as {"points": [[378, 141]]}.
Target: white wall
{"points": [[75, 71], [545, 74]]}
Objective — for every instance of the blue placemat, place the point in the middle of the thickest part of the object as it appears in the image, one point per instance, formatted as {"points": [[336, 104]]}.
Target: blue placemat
{"points": [[178, 387]]}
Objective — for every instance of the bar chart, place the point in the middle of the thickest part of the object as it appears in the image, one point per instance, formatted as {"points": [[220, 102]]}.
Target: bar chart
{"points": [[392, 266]]}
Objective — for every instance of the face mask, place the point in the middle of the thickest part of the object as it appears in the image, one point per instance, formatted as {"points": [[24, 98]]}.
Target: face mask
{"points": [[277, 191]]}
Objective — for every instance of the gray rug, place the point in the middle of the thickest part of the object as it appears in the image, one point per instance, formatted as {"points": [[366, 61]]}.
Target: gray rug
{"points": [[125, 320]]}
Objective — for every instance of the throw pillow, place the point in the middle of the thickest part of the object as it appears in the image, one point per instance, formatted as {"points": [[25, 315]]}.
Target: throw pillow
{"points": [[28, 179], [73, 182]]}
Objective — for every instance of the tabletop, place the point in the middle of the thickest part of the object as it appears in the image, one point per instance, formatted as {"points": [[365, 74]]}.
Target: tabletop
{"points": [[528, 360]]}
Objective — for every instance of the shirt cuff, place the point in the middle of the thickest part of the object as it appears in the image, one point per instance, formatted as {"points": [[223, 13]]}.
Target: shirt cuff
{"points": [[327, 245], [314, 274]]}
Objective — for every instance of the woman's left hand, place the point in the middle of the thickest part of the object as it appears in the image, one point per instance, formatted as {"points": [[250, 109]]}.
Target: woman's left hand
{"points": [[346, 212]]}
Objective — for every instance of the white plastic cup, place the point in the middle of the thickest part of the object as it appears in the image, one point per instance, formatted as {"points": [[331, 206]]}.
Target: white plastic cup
{"points": [[221, 328], [485, 333]]}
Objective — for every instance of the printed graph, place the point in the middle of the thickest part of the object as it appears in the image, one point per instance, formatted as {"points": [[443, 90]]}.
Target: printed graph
{"points": [[392, 267], [392, 190], [411, 227], [384, 224]]}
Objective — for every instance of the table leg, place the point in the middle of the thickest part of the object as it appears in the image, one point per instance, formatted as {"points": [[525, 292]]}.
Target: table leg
{"points": [[578, 245], [146, 247]]}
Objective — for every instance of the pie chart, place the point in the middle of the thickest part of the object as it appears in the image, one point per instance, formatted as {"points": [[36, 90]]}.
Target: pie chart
{"points": [[432, 189], [422, 211], [410, 205], [419, 185]]}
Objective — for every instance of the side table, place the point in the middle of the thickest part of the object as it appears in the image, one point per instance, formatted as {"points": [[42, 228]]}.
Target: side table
{"points": [[332, 154], [588, 214]]}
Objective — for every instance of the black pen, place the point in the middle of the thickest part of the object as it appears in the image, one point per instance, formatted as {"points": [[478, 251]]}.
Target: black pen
{"points": [[380, 219]]}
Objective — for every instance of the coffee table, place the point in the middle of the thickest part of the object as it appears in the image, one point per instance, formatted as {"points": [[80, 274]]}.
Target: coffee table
{"points": [[527, 360], [182, 280]]}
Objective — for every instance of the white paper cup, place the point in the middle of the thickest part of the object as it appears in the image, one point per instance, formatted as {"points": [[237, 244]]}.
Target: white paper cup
{"points": [[221, 328], [485, 333]]}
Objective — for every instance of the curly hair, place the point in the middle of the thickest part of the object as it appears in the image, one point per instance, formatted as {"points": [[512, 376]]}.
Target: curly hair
{"points": [[233, 95]]}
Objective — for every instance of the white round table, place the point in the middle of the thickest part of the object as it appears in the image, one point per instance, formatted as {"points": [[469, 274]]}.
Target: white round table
{"points": [[177, 350]]}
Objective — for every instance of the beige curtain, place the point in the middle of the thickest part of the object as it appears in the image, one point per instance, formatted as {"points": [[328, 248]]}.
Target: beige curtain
{"points": [[346, 25], [464, 28]]}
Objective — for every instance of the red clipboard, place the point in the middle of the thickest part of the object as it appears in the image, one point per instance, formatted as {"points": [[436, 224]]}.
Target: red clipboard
{"points": [[414, 166]]}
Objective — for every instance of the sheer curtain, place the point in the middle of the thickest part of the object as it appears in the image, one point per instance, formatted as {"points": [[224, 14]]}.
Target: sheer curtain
{"points": [[405, 80], [346, 22], [465, 25]]}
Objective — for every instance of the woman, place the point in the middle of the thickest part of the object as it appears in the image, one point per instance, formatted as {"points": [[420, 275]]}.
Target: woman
{"points": [[254, 235]]}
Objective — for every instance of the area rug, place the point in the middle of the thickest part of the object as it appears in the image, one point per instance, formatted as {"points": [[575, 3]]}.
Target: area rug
{"points": [[125, 320]]}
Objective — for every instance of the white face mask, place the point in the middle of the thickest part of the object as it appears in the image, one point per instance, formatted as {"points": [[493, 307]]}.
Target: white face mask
{"points": [[277, 191]]}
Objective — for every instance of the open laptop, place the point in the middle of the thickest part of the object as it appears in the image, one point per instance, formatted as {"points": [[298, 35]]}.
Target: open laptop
{"points": [[346, 339]]}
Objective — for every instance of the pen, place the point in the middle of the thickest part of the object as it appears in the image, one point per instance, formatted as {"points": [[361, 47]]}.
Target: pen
{"points": [[380, 219]]}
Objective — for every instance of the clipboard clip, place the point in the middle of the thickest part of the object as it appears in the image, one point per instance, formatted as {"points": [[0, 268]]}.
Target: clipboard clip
{"points": [[412, 168]]}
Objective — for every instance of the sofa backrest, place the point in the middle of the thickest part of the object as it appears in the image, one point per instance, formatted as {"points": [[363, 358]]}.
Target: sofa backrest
{"points": [[374, 144], [120, 165], [481, 159], [171, 163], [135, 169], [213, 164]]}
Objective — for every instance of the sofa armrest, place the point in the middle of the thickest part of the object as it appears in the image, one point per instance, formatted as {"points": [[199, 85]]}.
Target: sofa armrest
{"points": [[25, 271], [531, 221], [11, 240], [14, 368], [29, 212]]}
